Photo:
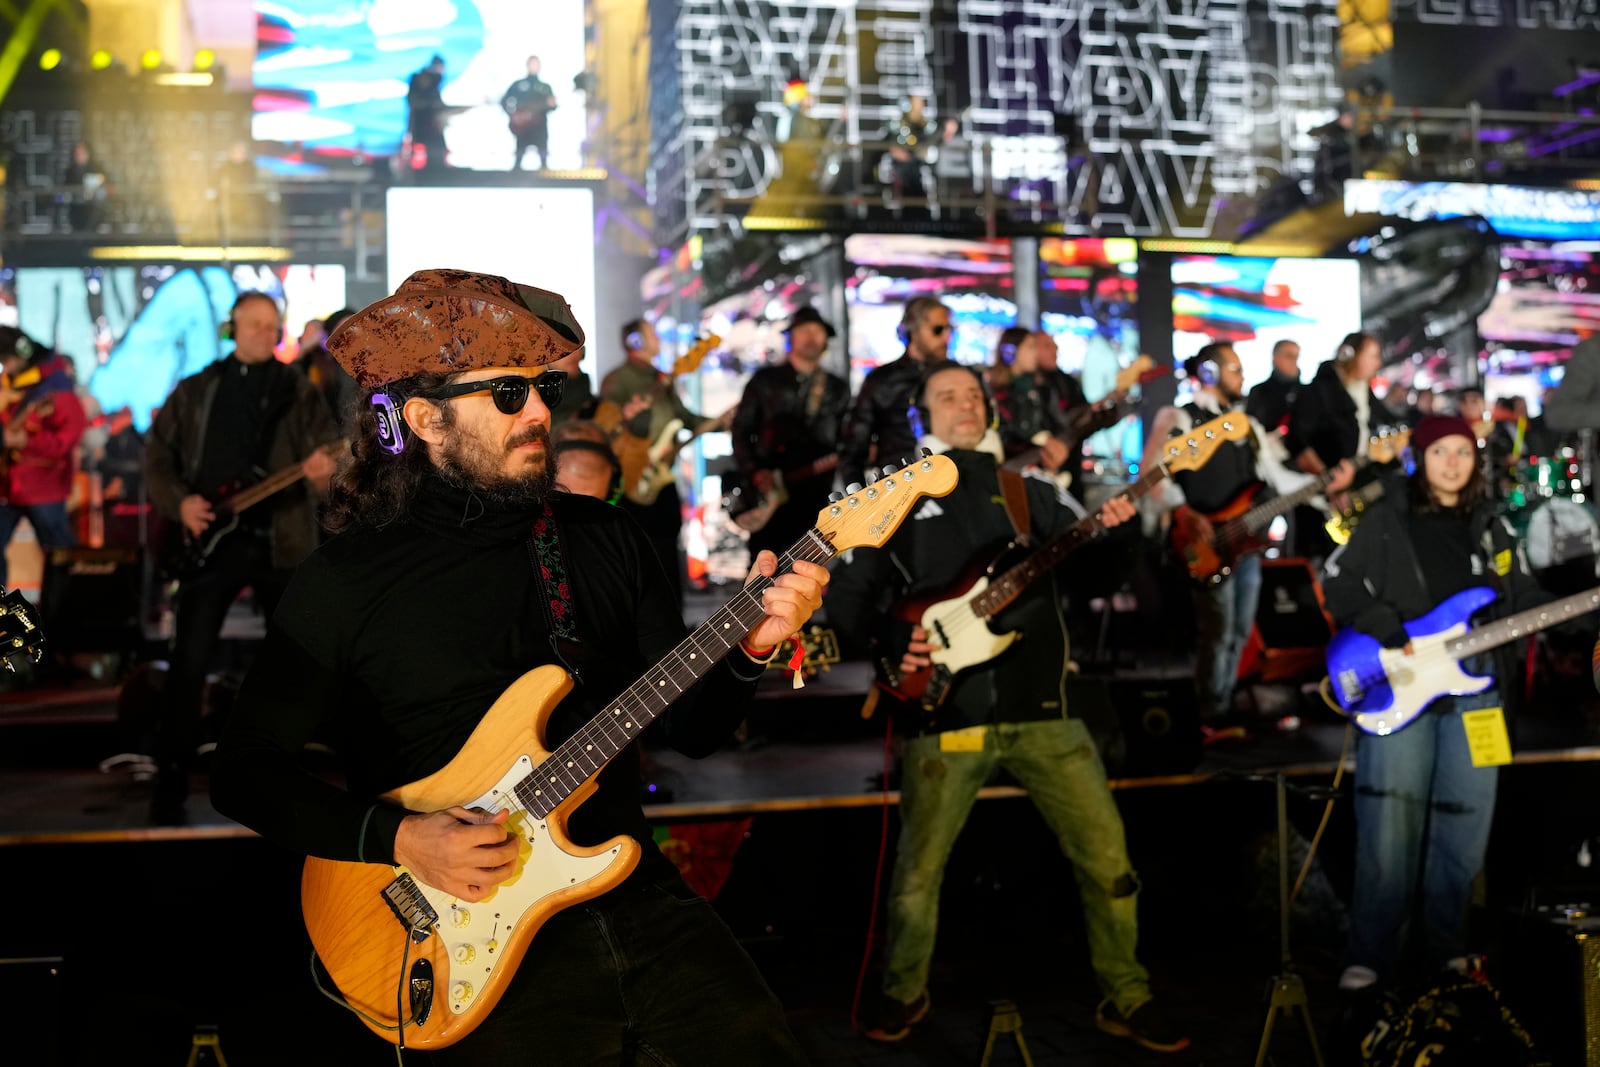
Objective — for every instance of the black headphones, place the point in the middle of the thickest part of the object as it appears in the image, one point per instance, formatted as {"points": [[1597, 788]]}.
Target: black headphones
{"points": [[917, 412], [229, 329], [911, 318]]}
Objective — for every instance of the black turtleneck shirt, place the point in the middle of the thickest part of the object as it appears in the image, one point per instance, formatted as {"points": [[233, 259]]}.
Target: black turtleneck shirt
{"points": [[395, 641], [250, 399]]}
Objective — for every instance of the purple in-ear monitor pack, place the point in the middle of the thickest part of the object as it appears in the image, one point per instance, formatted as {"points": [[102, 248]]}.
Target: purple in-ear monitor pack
{"points": [[391, 424]]}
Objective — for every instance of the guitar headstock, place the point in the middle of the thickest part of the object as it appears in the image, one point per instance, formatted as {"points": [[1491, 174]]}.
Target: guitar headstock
{"points": [[690, 361], [1193, 450], [20, 635], [1387, 446], [868, 517], [1142, 371]]}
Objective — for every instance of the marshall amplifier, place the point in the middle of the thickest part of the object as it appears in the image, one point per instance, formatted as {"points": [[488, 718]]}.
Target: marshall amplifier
{"points": [[89, 601]]}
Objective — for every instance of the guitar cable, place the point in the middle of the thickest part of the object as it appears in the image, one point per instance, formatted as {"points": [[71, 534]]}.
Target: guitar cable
{"points": [[399, 1000], [877, 877], [1325, 690]]}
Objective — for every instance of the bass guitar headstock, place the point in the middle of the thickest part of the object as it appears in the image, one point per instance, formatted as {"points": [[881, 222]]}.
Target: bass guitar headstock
{"points": [[1387, 446], [869, 515], [690, 361], [1193, 450]]}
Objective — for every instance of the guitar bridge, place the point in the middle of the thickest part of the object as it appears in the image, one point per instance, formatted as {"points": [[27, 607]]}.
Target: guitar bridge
{"points": [[405, 899]]}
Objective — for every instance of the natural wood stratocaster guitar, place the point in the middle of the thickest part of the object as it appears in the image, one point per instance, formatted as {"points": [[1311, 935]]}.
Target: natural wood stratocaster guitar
{"points": [[386, 937], [957, 618]]}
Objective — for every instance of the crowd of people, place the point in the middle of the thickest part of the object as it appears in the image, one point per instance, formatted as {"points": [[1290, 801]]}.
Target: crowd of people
{"points": [[428, 474]]}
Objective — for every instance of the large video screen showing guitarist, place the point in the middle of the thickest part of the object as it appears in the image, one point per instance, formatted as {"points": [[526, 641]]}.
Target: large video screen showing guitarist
{"points": [[456, 584]]}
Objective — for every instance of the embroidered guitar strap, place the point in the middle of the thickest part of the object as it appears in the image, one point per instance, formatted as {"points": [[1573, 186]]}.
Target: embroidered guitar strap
{"points": [[550, 567]]}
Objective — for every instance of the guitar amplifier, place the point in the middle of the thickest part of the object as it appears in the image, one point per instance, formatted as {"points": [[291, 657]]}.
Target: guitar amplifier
{"points": [[1145, 725], [90, 600], [1551, 978]]}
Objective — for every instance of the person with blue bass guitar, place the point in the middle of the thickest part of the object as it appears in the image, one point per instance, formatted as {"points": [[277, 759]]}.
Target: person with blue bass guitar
{"points": [[1422, 804]]}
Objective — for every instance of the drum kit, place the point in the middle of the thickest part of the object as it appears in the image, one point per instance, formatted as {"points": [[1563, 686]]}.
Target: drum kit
{"points": [[1546, 501]]}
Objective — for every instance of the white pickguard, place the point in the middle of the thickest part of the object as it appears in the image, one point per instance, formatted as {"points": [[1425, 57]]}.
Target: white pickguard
{"points": [[474, 933], [971, 642], [1418, 679]]}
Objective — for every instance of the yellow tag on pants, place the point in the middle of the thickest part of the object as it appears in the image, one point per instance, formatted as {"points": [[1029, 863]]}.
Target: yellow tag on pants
{"points": [[968, 740], [1486, 737]]}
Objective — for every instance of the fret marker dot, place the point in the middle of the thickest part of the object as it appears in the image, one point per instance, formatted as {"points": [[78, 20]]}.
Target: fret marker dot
{"points": [[627, 726], [692, 655], [538, 792], [569, 763], [617, 712], [588, 748], [662, 682], [552, 779]]}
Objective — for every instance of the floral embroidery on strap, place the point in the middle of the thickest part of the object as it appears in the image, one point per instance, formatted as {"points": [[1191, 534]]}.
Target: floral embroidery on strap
{"points": [[553, 575]]}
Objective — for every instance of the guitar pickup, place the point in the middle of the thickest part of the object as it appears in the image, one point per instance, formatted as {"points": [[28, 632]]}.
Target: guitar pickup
{"points": [[1350, 687], [405, 899]]}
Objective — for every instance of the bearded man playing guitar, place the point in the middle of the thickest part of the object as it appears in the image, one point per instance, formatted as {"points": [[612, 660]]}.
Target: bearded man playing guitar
{"points": [[528, 104], [1011, 712], [1225, 609], [219, 431], [786, 433], [455, 569]]}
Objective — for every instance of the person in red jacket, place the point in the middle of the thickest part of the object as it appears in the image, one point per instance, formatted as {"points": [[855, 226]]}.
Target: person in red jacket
{"points": [[44, 423]]}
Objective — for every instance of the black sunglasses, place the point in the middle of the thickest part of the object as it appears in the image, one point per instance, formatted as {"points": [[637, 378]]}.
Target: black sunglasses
{"points": [[510, 392], [939, 331]]}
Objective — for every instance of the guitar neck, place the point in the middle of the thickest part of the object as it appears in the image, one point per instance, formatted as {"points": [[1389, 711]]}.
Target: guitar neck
{"points": [[626, 715], [1262, 514], [1014, 582], [274, 483], [1508, 629]]}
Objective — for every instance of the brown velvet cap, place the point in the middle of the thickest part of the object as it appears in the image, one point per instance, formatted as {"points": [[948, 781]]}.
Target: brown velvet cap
{"points": [[443, 321]]}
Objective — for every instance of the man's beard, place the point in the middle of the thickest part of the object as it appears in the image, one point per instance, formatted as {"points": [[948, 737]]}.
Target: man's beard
{"points": [[470, 464]]}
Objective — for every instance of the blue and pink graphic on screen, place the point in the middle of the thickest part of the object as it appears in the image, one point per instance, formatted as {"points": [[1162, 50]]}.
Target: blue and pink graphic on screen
{"points": [[1253, 303], [1089, 303], [331, 75]]}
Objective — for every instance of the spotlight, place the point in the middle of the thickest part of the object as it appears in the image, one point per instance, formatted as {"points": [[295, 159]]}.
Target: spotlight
{"points": [[151, 59], [100, 60], [50, 59], [205, 59]]}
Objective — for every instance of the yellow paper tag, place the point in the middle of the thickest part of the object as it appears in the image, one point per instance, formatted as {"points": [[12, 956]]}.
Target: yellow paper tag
{"points": [[968, 740], [1486, 737], [1502, 563]]}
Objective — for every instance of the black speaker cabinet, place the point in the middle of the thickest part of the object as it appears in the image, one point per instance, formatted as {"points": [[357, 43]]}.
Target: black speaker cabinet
{"points": [[1290, 614], [90, 600], [1145, 725], [1551, 977]]}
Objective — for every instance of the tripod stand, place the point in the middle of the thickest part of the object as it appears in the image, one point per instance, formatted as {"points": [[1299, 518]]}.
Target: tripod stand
{"points": [[1288, 989]]}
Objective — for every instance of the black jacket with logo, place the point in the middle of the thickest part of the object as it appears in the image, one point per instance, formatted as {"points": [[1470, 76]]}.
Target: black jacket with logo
{"points": [[933, 548]]}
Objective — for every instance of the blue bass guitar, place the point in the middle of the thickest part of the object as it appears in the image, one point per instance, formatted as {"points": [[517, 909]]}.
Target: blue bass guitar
{"points": [[1384, 689]]}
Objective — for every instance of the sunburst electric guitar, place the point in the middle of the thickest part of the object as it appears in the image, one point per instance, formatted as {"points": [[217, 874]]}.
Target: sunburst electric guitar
{"points": [[396, 945], [958, 617]]}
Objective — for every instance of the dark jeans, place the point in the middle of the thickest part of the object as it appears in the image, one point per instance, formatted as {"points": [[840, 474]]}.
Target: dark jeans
{"points": [[647, 974], [243, 558], [535, 136], [49, 522]]}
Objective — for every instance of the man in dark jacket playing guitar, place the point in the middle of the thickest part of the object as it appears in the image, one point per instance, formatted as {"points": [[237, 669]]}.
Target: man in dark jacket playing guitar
{"points": [[235, 422], [1011, 712], [528, 103], [454, 572]]}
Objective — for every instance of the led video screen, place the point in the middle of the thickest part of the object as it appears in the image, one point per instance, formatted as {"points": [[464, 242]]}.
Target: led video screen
{"points": [[133, 332], [331, 75], [973, 278], [536, 236], [1253, 303], [1089, 303], [1547, 301]]}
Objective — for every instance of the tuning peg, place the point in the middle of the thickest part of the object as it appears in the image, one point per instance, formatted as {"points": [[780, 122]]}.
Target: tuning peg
{"points": [[926, 452], [873, 474], [852, 488], [835, 497]]}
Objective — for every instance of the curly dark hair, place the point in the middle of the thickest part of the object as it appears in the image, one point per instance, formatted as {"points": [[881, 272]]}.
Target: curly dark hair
{"points": [[376, 487]]}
